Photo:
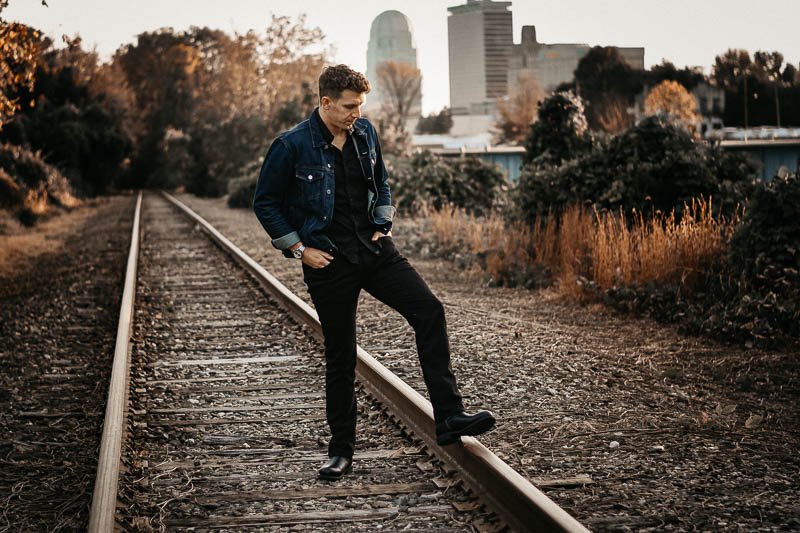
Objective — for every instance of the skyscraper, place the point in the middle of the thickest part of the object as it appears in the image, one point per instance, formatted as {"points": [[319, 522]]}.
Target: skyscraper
{"points": [[390, 39], [480, 36]]}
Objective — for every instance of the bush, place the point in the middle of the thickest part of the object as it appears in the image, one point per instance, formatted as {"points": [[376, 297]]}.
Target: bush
{"points": [[765, 257], [560, 132], [656, 166], [241, 192], [428, 181], [10, 193], [753, 296], [28, 183]]}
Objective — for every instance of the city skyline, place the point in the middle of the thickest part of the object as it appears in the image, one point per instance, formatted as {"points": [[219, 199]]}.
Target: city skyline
{"points": [[688, 34]]}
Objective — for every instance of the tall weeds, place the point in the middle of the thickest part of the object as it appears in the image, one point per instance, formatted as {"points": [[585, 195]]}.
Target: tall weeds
{"points": [[586, 249]]}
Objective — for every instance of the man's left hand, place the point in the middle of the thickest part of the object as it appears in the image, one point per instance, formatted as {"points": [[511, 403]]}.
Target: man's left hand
{"points": [[378, 235]]}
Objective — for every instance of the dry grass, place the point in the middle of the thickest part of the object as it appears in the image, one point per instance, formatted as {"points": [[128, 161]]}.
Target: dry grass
{"points": [[605, 249], [20, 245]]}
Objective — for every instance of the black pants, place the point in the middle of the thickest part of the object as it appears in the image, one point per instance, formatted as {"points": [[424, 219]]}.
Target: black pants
{"points": [[388, 277]]}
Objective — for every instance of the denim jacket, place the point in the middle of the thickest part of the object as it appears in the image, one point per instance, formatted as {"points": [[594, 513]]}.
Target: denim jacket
{"points": [[296, 185]]}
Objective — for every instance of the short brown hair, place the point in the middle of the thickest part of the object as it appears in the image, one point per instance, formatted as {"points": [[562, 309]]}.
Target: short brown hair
{"points": [[338, 78]]}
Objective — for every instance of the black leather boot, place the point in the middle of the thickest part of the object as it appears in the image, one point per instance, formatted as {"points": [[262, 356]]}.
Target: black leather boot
{"points": [[336, 468], [455, 426]]}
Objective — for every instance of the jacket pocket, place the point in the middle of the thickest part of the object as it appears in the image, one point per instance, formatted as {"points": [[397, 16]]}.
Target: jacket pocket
{"points": [[311, 182]]}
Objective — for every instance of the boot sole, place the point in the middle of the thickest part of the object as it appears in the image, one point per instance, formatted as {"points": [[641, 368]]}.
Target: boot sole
{"points": [[478, 427], [333, 477]]}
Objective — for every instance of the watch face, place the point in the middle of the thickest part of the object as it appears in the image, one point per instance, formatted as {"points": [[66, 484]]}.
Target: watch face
{"points": [[298, 253]]}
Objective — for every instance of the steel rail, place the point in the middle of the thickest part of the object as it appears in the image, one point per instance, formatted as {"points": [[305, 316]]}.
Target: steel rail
{"points": [[520, 504], [104, 496]]}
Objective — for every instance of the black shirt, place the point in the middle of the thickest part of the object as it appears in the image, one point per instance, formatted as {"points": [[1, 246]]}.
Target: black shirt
{"points": [[350, 227]]}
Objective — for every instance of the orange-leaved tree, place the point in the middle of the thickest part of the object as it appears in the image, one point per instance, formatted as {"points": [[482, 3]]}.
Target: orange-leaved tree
{"points": [[518, 109], [671, 98]]}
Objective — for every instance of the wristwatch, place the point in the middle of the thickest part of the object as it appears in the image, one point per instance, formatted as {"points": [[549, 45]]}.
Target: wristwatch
{"points": [[298, 252]]}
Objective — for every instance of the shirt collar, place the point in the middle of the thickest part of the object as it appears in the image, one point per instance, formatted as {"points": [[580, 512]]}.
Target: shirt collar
{"points": [[327, 136]]}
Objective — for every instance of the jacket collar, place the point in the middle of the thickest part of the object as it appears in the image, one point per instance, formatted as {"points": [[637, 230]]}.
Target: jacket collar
{"points": [[316, 124]]}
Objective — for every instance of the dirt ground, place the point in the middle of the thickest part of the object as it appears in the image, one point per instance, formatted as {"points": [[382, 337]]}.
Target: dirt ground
{"points": [[21, 245]]}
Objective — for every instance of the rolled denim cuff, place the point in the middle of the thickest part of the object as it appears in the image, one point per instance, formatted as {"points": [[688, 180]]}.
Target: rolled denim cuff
{"points": [[288, 240], [385, 212]]}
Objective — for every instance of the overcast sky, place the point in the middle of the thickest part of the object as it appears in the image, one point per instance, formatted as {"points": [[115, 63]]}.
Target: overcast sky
{"points": [[686, 32]]}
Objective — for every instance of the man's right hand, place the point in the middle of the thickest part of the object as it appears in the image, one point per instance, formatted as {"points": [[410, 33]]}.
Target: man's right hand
{"points": [[316, 258]]}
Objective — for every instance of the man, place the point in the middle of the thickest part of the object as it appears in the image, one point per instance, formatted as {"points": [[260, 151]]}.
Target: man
{"points": [[323, 197]]}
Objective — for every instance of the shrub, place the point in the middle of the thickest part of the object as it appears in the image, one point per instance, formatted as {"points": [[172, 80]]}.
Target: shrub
{"points": [[765, 253], [241, 192], [29, 183], [656, 166], [426, 180], [481, 185], [560, 132], [10, 193]]}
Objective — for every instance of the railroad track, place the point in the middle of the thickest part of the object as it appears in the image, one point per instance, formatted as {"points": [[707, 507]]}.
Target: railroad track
{"points": [[215, 418]]}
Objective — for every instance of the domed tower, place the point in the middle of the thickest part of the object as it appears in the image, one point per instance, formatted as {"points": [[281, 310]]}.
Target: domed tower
{"points": [[390, 39]]}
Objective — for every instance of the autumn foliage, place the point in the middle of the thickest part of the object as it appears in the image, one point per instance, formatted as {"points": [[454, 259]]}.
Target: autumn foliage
{"points": [[671, 98]]}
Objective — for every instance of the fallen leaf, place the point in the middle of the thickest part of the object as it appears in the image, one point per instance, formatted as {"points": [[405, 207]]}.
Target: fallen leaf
{"points": [[726, 409], [753, 421]]}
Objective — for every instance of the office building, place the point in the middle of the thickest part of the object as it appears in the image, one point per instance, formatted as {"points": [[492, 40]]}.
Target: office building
{"points": [[480, 36]]}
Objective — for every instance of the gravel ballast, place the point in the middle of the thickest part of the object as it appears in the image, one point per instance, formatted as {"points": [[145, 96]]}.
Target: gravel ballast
{"points": [[58, 323]]}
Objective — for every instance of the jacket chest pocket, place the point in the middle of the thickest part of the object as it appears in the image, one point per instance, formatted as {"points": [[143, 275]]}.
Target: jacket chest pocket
{"points": [[311, 185]]}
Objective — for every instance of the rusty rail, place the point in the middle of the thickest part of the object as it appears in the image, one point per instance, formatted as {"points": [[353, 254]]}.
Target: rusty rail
{"points": [[104, 496]]}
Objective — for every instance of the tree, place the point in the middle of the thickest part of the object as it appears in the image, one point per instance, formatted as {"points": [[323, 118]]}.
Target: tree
{"points": [[747, 82], [670, 98], [518, 109], [212, 101], [79, 131], [434, 123], [19, 49], [560, 133], [688, 77], [767, 67], [789, 75], [608, 85], [731, 68], [400, 86]]}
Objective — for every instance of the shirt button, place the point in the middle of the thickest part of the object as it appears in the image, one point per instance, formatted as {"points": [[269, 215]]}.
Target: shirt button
{"points": [[328, 191], [329, 165], [324, 218], [310, 177]]}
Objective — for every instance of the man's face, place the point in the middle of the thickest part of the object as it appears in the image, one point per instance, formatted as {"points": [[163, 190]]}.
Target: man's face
{"points": [[344, 111]]}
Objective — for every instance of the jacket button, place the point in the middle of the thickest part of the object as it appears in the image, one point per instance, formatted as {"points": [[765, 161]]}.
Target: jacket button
{"points": [[328, 191], [329, 165], [324, 218], [310, 177]]}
